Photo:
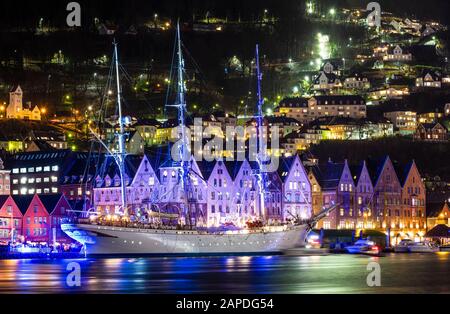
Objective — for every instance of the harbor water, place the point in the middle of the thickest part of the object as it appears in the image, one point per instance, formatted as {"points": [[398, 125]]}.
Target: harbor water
{"points": [[399, 273]]}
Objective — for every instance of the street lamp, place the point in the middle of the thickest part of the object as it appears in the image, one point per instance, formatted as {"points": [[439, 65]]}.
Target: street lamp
{"points": [[332, 11]]}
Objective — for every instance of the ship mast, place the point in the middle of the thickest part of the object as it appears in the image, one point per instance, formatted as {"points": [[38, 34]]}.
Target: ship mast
{"points": [[121, 155], [260, 134], [183, 150], [181, 111]]}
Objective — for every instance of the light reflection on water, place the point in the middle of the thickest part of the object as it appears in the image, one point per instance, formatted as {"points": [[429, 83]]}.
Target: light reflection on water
{"points": [[241, 274]]}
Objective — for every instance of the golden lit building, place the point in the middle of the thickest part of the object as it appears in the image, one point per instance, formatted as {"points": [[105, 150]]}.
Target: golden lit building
{"points": [[412, 221], [429, 117], [15, 109], [438, 214], [316, 191]]}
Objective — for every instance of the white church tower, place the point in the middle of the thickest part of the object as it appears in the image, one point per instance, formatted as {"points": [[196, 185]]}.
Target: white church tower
{"points": [[15, 108], [15, 103]]}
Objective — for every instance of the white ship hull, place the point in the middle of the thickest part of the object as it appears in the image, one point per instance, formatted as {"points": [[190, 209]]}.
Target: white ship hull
{"points": [[103, 240]]}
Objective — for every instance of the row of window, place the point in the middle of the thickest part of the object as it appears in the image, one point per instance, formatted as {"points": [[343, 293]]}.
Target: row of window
{"points": [[25, 180], [6, 222], [227, 209], [37, 232], [297, 185], [37, 220], [32, 191], [35, 169]]}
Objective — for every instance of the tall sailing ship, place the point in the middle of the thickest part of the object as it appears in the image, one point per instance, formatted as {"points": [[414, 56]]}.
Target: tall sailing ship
{"points": [[126, 236]]}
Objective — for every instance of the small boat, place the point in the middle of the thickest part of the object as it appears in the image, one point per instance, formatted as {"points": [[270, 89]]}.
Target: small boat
{"points": [[363, 246], [445, 248], [403, 246], [423, 247]]}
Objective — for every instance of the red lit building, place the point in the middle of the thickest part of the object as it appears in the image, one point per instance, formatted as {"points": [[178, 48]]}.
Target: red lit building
{"points": [[35, 223], [10, 215], [42, 216], [58, 208]]}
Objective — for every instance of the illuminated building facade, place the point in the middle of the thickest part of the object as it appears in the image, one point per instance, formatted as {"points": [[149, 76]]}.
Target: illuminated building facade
{"points": [[44, 172], [438, 214], [371, 195], [404, 121], [15, 109], [431, 132], [10, 219]]}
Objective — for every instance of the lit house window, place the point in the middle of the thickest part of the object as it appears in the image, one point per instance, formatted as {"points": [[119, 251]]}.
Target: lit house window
{"points": [[55, 168]]}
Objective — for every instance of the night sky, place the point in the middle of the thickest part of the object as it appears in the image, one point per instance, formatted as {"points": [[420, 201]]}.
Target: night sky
{"points": [[27, 12]]}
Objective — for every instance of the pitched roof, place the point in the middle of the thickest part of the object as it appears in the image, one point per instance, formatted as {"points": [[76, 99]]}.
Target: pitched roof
{"points": [[109, 167], [206, 168], [375, 167], [331, 77], [436, 76], [434, 209], [50, 201], [330, 174], [405, 50], [43, 145], [14, 88], [233, 168], [285, 167], [440, 231], [403, 172], [431, 126], [294, 102], [356, 171], [23, 202], [82, 168]]}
